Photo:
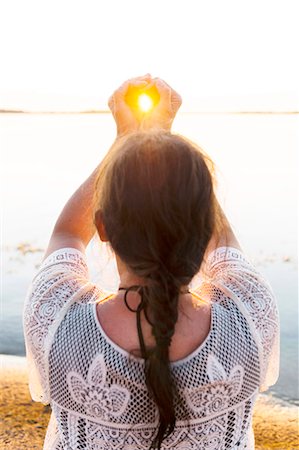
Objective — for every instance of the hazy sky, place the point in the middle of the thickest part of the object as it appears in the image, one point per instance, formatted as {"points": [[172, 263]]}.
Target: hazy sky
{"points": [[60, 54]]}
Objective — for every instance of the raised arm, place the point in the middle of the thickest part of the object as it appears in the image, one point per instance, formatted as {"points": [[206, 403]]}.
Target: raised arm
{"points": [[223, 235], [74, 227]]}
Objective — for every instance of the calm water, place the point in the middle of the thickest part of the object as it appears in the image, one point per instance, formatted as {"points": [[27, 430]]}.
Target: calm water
{"points": [[45, 157]]}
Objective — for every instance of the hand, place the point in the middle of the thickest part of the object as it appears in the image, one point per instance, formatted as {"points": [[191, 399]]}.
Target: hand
{"points": [[128, 119], [163, 114]]}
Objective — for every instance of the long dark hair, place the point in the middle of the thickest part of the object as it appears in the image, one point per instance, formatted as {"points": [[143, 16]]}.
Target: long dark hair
{"points": [[154, 194]]}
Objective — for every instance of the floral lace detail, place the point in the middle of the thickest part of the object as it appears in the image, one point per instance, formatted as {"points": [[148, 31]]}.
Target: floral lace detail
{"points": [[62, 278], [227, 254], [232, 273], [208, 435], [205, 436], [259, 302], [215, 397], [98, 400]]}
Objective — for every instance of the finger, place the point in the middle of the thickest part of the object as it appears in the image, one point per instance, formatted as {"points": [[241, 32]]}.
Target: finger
{"points": [[111, 103], [139, 83], [121, 92], [176, 101], [164, 91], [149, 85], [146, 77], [175, 98], [166, 84]]}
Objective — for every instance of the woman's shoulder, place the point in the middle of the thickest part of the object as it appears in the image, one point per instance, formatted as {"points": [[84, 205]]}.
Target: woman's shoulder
{"points": [[234, 283], [61, 281]]}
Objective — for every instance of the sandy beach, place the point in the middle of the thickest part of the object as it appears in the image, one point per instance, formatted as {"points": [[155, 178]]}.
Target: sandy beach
{"points": [[24, 422]]}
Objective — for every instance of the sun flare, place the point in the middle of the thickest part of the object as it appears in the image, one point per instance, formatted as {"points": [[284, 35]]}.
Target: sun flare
{"points": [[145, 103]]}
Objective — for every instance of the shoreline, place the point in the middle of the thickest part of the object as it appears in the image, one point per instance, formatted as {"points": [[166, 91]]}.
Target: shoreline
{"points": [[24, 422]]}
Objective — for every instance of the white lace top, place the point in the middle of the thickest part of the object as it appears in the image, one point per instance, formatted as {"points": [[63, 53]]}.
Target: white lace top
{"points": [[97, 390]]}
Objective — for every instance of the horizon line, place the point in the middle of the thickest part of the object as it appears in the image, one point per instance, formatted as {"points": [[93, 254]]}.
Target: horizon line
{"points": [[104, 111]]}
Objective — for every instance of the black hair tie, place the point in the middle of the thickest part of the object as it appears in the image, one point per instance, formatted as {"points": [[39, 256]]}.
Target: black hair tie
{"points": [[131, 288], [140, 307]]}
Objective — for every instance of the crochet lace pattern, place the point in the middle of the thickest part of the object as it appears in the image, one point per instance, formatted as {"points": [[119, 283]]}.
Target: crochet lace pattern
{"points": [[97, 390]]}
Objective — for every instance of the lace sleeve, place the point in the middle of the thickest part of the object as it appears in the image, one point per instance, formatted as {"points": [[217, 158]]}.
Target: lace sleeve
{"points": [[61, 279], [235, 277]]}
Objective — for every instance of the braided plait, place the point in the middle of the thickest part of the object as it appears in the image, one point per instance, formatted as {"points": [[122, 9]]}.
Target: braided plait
{"points": [[156, 203], [162, 296]]}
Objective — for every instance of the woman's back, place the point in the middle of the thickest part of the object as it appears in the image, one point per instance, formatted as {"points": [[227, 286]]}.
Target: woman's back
{"points": [[192, 327], [97, 388]]}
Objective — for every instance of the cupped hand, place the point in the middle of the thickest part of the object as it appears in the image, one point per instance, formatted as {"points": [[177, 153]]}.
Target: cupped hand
{"points": [[128, 119], [163, 114]]}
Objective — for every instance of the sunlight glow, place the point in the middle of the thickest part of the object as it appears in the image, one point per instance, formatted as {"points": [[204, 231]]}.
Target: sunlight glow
{"points": [[145, 103]]}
